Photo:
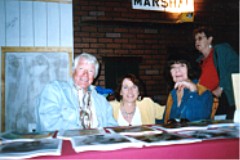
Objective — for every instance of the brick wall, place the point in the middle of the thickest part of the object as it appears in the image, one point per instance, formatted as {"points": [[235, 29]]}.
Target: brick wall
{"points": [[108, 28]]}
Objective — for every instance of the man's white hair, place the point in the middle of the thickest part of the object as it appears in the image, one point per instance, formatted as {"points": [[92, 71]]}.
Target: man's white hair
{"points": [[90, 58]]}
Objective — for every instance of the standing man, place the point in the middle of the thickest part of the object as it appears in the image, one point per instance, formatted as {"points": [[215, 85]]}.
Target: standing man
{"points": [[217, 65], [75, 104]]}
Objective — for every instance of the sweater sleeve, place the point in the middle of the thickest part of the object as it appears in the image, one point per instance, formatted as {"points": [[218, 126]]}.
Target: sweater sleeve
{"points": [[150, 111], [159, 110], [227, 62], [168, 108]]}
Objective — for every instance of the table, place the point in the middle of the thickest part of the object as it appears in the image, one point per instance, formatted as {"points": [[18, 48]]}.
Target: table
{"points": [[210, 149]]}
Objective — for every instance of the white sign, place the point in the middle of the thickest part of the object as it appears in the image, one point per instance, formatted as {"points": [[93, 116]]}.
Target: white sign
{"points": [[176, 6]]}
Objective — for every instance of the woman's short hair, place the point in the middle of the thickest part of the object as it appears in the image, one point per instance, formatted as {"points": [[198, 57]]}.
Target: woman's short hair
{"points": [[135, 80], [90, 58], [203, 29]]}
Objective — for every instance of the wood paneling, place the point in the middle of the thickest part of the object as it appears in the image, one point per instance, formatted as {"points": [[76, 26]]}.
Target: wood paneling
{"points": [[36, 23]]}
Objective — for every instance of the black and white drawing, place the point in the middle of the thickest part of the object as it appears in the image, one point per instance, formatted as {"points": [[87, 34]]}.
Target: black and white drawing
{"points": [[26, 74]]}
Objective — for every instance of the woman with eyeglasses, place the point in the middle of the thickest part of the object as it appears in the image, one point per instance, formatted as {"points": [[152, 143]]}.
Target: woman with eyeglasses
{"points": [[188, 100], [217, 65], [129, 109]]}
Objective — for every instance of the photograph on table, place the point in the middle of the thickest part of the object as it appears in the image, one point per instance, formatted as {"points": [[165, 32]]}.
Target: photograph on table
{"points": [[221, 132], [133, 130], [22, 150], [69, 134], [103, 142], [165, 139], [14, 136]]}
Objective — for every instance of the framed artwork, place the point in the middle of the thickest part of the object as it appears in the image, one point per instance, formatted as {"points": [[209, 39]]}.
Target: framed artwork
{"points": [[24, 73]]}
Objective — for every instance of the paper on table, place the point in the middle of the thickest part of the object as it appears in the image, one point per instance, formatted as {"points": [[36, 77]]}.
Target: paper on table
{"points": [[236, 89]]}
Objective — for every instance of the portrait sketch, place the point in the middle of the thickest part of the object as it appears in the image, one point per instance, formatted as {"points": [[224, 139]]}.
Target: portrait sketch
{"points": [[25, 75]]}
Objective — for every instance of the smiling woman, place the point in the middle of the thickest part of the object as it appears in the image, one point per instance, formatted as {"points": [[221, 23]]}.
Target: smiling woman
{"points": [[187, 100], [129, 109]]}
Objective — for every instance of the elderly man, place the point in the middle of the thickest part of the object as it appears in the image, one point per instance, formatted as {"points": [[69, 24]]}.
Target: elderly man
{"points": [[75, 104]]}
